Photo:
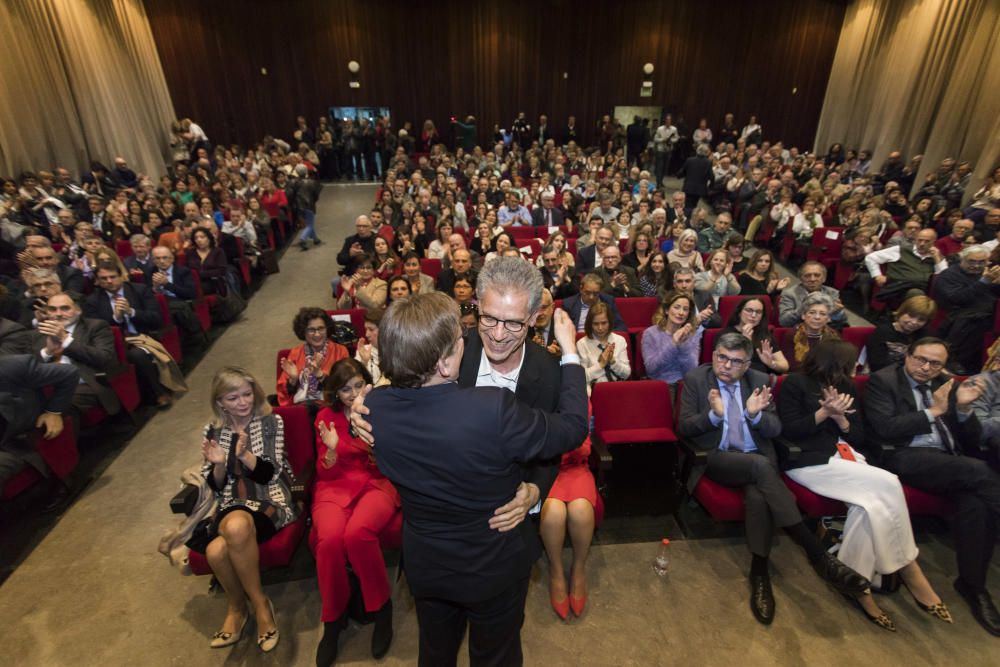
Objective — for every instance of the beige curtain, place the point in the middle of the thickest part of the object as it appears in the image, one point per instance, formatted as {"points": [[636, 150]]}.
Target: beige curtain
{"points": [[81, 81], [919, 76]]}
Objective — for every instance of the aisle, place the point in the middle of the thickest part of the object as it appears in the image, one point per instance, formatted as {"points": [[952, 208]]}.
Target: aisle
{"points": [[96, 592]]}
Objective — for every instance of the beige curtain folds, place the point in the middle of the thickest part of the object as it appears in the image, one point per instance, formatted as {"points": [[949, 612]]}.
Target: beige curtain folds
{"points": [[919, 76], [81, 81]]}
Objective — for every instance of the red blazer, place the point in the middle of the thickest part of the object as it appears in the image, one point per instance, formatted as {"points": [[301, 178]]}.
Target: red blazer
{"points": [[354, 472]]}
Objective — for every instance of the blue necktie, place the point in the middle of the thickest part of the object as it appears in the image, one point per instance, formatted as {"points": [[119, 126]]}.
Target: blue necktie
{"points": [[734, 420]]}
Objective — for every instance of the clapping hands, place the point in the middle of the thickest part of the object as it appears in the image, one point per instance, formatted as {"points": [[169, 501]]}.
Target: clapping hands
{"points": [[330, 440], [757, 401], [837, 404], [683, 334], [212, 452]]}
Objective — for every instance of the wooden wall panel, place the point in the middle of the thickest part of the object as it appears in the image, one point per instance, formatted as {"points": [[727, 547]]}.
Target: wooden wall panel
{"points": [[494, 58]]}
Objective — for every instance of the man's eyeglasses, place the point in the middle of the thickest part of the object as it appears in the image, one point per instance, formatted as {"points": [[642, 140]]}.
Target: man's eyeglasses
{"points": [[930, 363], [730, 361], [512, 326]]}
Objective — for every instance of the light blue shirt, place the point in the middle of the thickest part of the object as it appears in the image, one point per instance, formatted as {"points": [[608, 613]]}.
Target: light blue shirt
{"points": [[748, 443], [519, 217], [932, 439]]}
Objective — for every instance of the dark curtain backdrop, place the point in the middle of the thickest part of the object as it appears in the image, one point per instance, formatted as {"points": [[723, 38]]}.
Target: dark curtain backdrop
{"points": [[493, 59]]}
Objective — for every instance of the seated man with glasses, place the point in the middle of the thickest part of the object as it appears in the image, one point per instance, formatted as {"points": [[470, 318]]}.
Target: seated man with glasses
{"points": [[929, 422], [968, 291], [726, 410]]}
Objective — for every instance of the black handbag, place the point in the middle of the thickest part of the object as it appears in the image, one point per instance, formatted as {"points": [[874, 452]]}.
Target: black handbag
{"points": [[343, 333]]}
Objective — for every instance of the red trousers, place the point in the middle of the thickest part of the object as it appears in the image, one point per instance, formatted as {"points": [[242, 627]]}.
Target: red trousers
{"points": [[351, 534]]}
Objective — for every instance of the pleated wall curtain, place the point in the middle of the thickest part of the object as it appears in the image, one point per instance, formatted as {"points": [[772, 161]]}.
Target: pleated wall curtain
{"points": [[81, 81], [919, 76]]}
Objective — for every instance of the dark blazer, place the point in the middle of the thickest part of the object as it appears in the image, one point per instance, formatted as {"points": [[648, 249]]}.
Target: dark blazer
{"points": [[586, 260], [14, 338], [538, 217], [147, 318], [132, 263], [537, 387], [71, 278], [672, 214], [456, 454], [92, 353], [695, 425], [894, 419], [182, 285], [214, 265], [697, 174], [22, 377], [367, 244], [573, 305], [630, 279], [797, 406], [566, 289]]}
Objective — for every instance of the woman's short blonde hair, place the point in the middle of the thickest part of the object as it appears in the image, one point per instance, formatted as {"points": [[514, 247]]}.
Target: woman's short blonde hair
{"points": [[229, 379], [920, 307]]}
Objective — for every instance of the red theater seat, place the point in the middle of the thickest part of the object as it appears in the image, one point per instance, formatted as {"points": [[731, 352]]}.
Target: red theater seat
{"points": [[299, 448]]}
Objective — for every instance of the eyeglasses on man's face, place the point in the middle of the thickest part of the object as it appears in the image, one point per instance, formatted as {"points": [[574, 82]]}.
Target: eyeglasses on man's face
{"points": [[730, 361], [489, 322]]}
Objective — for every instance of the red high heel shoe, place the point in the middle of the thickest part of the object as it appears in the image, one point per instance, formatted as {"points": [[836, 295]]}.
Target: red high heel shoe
{"points": [[561, 608], [577, 604]]}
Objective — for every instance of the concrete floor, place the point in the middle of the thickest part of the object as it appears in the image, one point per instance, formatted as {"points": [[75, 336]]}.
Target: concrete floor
{"points": [[96, 592]]}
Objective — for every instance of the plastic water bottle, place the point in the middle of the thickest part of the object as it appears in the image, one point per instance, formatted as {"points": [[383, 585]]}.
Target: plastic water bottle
{"points": [[661, 565]]}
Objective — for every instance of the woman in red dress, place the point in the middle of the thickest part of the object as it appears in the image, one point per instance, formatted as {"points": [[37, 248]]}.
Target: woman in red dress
{"points": [[573, 504], [352, 504]]}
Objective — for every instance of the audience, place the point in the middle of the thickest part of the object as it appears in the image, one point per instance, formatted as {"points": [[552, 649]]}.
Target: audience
{"points": [[719, 280], [820, 413], [968, 292], [670, 347], [906, 269], [812, 276], [617, 279], [307, 365], [352, 505], [887, 345], [578, 305], [245, 465], [750, 320], [815, 327], [726, 410], [926, 425], [603, 353], [760, 276]]}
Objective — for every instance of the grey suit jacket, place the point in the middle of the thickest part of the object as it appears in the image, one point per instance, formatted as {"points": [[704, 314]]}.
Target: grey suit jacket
{"points": [[694, 422], [92, 353]]}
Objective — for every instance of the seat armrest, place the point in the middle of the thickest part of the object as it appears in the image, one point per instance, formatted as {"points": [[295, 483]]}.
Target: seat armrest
{"points": [[184, 500], [691, 454], [786, 450], [600, 455]]}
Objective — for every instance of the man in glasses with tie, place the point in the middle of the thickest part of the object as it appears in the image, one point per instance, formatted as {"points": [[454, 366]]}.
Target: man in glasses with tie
{"points": [[924, 421], [726, 410]]}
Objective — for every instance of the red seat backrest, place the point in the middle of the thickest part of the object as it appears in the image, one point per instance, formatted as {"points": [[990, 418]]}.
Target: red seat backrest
{"points": [[431, 267], [357, 316], [520, 235], [708, 344], [119, 344], [123, 248], [861, 386], [571, 248], [632, 405], [857, 336], [637, 311], [300, 443]]}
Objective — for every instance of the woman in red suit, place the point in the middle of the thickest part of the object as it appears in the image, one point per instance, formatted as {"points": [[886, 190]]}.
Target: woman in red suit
{"points": [[572, 504], [352, 505]]}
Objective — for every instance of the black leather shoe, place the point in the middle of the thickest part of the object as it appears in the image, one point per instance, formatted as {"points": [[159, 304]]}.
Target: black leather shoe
{"points": [[382, 636], [58, 498], [982, 607], [761, 598], [841, 577]]}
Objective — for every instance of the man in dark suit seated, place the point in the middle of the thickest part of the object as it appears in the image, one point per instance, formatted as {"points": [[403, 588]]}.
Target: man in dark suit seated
{"points": [[547, 215], [588, 258], [678, 211], [69, 277], [461, 266], [454, 454], [578, 305], [177, 284], [133, 309], [617, 280], [931, 426], [543, 331], [969, 292], [726, 410], [140, 260], [23, 406], [558, 280], [66, 337]]}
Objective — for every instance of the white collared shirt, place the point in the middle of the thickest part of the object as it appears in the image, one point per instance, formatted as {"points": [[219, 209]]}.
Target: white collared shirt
{"points": [[490, 377]]}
